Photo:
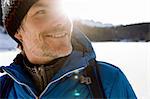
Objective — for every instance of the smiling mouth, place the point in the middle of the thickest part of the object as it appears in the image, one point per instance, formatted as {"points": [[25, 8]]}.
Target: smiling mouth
{"points": [[56, 35]]}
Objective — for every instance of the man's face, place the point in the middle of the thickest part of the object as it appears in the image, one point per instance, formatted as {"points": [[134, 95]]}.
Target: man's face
{"points": [[46, 31]]}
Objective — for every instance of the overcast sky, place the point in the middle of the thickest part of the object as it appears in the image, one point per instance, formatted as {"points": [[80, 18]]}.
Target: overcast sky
{"points": [[110, 11]]}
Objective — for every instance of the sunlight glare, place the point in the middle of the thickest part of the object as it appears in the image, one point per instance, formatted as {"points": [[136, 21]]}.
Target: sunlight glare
{"points": [[109, 11], [73, 8]]}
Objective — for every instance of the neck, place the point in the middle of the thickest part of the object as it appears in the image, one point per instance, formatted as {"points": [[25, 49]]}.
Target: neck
{"points": [[28, 63], [22, 60]]}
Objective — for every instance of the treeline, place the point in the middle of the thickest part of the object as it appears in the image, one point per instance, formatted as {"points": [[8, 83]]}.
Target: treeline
{"points": [[133, 32]]}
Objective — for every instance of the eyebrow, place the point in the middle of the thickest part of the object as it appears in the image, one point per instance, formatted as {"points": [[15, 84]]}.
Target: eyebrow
{"points": [[38, 5]]}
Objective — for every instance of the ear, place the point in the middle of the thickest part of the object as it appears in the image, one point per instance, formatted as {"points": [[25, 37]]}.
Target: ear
{"points": [[18, 36]]}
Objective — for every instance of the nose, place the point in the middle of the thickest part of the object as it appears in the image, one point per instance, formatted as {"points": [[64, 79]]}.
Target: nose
{"points": [[60, 21]]}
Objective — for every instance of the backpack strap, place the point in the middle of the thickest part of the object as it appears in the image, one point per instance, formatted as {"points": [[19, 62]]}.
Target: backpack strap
{"points": [[96, 87], [6, 84]]}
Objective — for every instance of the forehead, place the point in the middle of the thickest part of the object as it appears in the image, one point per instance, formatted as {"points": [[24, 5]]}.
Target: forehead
{"points": [[46, 3]]}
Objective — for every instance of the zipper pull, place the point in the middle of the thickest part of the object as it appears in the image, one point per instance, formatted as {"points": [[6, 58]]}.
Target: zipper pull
{"points": [[37, 97]]}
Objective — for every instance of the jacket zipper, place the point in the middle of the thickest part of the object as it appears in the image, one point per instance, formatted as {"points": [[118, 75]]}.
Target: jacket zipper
{"points": [[36, 97], [21, 84], [76, 70]]}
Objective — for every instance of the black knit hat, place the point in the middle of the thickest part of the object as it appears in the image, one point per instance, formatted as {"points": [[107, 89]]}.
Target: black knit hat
{"points": [[13, 13]]}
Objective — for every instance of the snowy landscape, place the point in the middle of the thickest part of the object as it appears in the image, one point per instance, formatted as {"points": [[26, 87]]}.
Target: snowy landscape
{"points": [[132, 58], [131, 49]]}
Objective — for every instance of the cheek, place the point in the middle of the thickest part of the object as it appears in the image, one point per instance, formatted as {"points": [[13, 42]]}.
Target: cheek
{"points": [[29, 38], [37, 25]]}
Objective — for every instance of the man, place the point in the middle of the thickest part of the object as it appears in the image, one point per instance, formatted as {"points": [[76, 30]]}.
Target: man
{"points": [[55, 56]]}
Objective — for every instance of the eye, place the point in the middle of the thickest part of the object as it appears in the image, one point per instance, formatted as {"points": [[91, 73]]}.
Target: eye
{"points": [[40, 12]]}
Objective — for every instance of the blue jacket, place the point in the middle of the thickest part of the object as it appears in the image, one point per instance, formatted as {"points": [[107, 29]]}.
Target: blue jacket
{"points": [[64, 84]]}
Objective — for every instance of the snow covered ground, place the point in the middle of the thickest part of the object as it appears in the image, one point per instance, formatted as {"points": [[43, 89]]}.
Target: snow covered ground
{"points": [[132, 58], [6, 42]]}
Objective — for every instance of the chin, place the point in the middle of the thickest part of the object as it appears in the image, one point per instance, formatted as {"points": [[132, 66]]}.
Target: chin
{"points": [[64, 53]]}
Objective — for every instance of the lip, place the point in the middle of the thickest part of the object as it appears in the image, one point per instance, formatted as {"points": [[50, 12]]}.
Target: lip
{"points": [[56, 35]]}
